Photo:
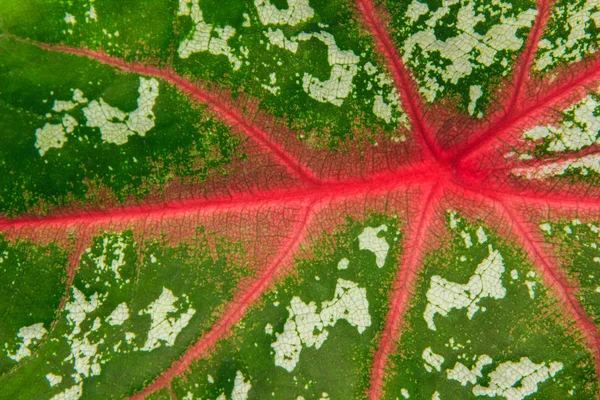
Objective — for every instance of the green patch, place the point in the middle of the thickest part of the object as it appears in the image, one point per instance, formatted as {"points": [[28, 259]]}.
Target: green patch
{"points": [[94, 136], [131, 311], [461, 50], [481, 324], [324, 319], [32, 282], [578, 246]]}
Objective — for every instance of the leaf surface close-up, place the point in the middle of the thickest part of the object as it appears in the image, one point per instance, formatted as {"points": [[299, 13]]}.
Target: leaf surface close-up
{"points": [[299, 199]]}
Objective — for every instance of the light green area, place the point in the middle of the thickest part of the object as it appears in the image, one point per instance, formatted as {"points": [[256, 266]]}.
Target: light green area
{"points": [[507, 322]]}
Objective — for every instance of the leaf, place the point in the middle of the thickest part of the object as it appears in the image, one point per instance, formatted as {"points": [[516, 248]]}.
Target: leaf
{"points": [[299, 199]]}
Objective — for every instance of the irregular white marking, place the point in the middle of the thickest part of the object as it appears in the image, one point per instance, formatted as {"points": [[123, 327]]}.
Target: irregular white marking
{"points": [[119, 315], [546, 227], [165, 329], [29, 335], [111, 248], [72, 393], [404, 393], [201, 39], [504, 378], [85, 357], [464, 375], [531, 284], [343, 264], [454, 219], [240, 387], [467, 238], [91, 13], [368, 240], [475, 93], [53, 380], [432, 360], [466, 48], [247, 23], [298, 11], [382, 109], [79, 307], [50, 136], [344, 68], [62, 105], [514, 274], [70, 19], [481, 236], [436, 396], [269, 329], [277, 38], [305, 326], [370, 69], [210, 378], [576, 19], [443, 296], [101, 115]]}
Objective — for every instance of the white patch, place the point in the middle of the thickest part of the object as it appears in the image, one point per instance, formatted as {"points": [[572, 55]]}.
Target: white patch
{"points": [[50, 136], [475, 93], [119, 315], [277, 38], [339, 85], [436, 396], [91, 13], [118, 249], [298, 11], [165, 329], [432, 360], [508, 374], [53, 380], [382, 109], [467, 238], [443, 296], [514, 274], [101, 115], [368, 240], [72, 393], [201, 39], [481, 236], [240, 387], [531, 284], [343, 264], [305, 326], [269, 329], [404, 393], [546, 227], [210, 378], [70, 19], [29, 335], [464, 375], [79, 308]]}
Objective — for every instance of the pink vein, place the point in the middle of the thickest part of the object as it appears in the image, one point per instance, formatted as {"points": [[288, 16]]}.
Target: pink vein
{"points": [[233, 315], [219, 107], [400, 297], [401, 76]]}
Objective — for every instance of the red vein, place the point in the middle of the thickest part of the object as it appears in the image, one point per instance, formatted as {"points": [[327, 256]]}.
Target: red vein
{"points": [[560, 93], [241, 303], [404, 83], [405, 279], [218, 106], [353, 187], [557, 280], [523, 68]]}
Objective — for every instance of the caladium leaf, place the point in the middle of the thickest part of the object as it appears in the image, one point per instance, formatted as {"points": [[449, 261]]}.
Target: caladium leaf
{"points": [[299, 199]]}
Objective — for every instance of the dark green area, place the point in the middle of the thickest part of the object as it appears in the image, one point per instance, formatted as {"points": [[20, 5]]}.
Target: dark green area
{"points": [[32, 282], [184, 146], [200, 273], [508, 329], [340, 367]]}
